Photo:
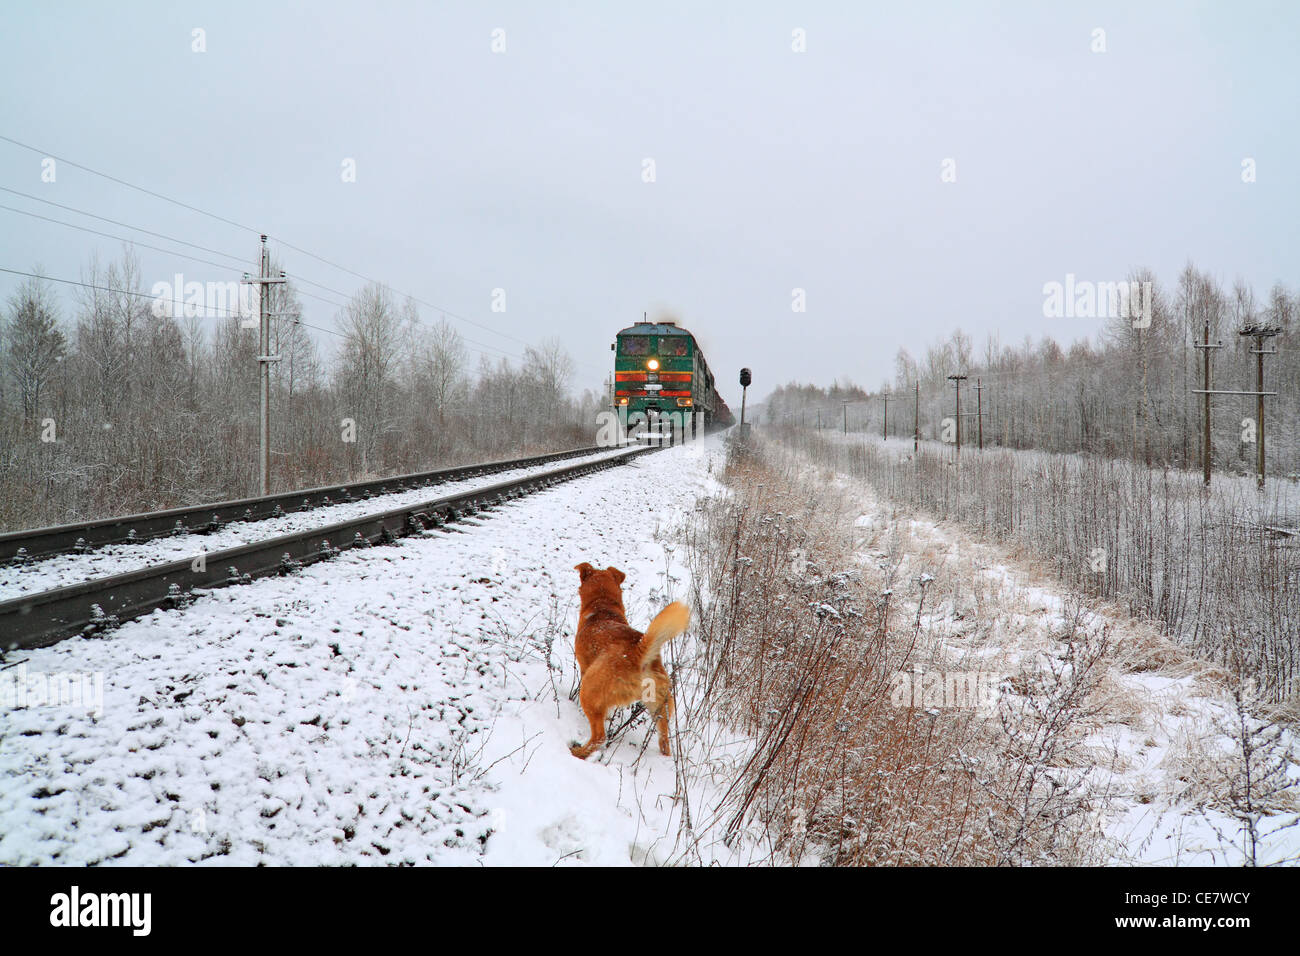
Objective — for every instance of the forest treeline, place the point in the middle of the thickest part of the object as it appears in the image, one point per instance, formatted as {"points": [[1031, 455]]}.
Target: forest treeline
{"points": [[1120, 392], [107, 407]]}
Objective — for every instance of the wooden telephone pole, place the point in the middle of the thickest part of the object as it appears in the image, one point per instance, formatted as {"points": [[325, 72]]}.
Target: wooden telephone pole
{"points": [[1259, 332], [916, 421], [979, 411], [958, 379], [1206, 452]]}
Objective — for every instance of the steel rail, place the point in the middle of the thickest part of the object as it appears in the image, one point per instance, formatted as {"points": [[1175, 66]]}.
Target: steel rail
{"points": [[24, 546], [91, 607]]}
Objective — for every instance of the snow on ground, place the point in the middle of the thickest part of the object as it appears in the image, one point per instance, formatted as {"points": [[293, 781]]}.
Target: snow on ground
{"points": [[1160, 815], [411, 704], [63, 570], [1163, 715], [391, 706], [1281, 499]]}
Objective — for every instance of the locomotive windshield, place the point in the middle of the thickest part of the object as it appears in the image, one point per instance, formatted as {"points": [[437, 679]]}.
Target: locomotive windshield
{"points": [[674, 345], [636, 345]]}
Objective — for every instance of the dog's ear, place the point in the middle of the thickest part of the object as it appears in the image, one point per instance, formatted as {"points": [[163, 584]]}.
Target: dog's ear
{"points": [[619, 576], [584, 570]]}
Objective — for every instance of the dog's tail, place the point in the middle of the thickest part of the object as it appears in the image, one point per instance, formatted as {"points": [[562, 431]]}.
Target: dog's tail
{"points": [[667, 624]]}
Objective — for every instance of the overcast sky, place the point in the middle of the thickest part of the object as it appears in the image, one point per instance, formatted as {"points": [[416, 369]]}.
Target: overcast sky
{"points": [[775, 170]]}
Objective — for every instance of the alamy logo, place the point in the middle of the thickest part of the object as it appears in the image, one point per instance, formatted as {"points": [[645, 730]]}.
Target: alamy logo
{"points": [[67, 689], [1098, 300], [613, 429], [103, 909], [952, 690], [194, 300]]}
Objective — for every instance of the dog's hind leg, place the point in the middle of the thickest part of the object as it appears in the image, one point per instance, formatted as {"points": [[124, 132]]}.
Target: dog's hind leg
{"points": [[665, 712], [664, 709], [596, 718]]}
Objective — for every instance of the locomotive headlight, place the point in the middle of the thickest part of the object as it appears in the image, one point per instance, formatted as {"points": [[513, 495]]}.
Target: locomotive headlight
{"points": [[652, 364]]}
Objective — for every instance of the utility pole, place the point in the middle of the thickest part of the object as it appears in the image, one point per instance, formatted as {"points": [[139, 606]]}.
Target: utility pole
{"points": [[1146, 407], [264, 359], [979, 411], [916, 422], [884, 428], [958, 379], [819, 419], [846, 417], [1259, 333], [1205, 348]]}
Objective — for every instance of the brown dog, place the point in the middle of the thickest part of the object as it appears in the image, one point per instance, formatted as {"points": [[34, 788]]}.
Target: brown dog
{"points": [[619, 664]]}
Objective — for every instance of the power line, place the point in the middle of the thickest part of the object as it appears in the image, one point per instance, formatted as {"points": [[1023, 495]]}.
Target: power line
{"points": [[247, 228], [146, 295], [102, 288], [123, 182], [318, 298], [109, 235], [82, 212], [181, 255], [170, 252], [302, 280]]}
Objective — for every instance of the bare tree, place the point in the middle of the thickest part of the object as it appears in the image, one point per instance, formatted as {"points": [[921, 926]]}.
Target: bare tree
{"points": [[368, 363], [442, 357], [550, 368], [34, 344]]}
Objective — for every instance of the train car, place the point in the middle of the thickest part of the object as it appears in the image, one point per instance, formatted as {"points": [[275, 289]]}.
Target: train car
{"points": [[723, 414], [660, 374]]}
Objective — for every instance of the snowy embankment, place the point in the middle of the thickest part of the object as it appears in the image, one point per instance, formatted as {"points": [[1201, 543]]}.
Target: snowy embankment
{"points": [[412, 704], [66, 569], [1161, 757], [1281, 496], [406, 704]]}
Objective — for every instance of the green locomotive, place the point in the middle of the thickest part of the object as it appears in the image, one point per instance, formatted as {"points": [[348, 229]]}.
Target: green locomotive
{"points": [[660, 376]]}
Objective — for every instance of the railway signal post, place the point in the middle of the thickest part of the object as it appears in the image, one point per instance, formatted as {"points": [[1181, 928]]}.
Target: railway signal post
{"points": [[745, 379]]}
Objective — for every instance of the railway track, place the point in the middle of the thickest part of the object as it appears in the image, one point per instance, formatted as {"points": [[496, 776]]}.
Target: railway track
{"points": [[91, 607], [25, 546]]}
